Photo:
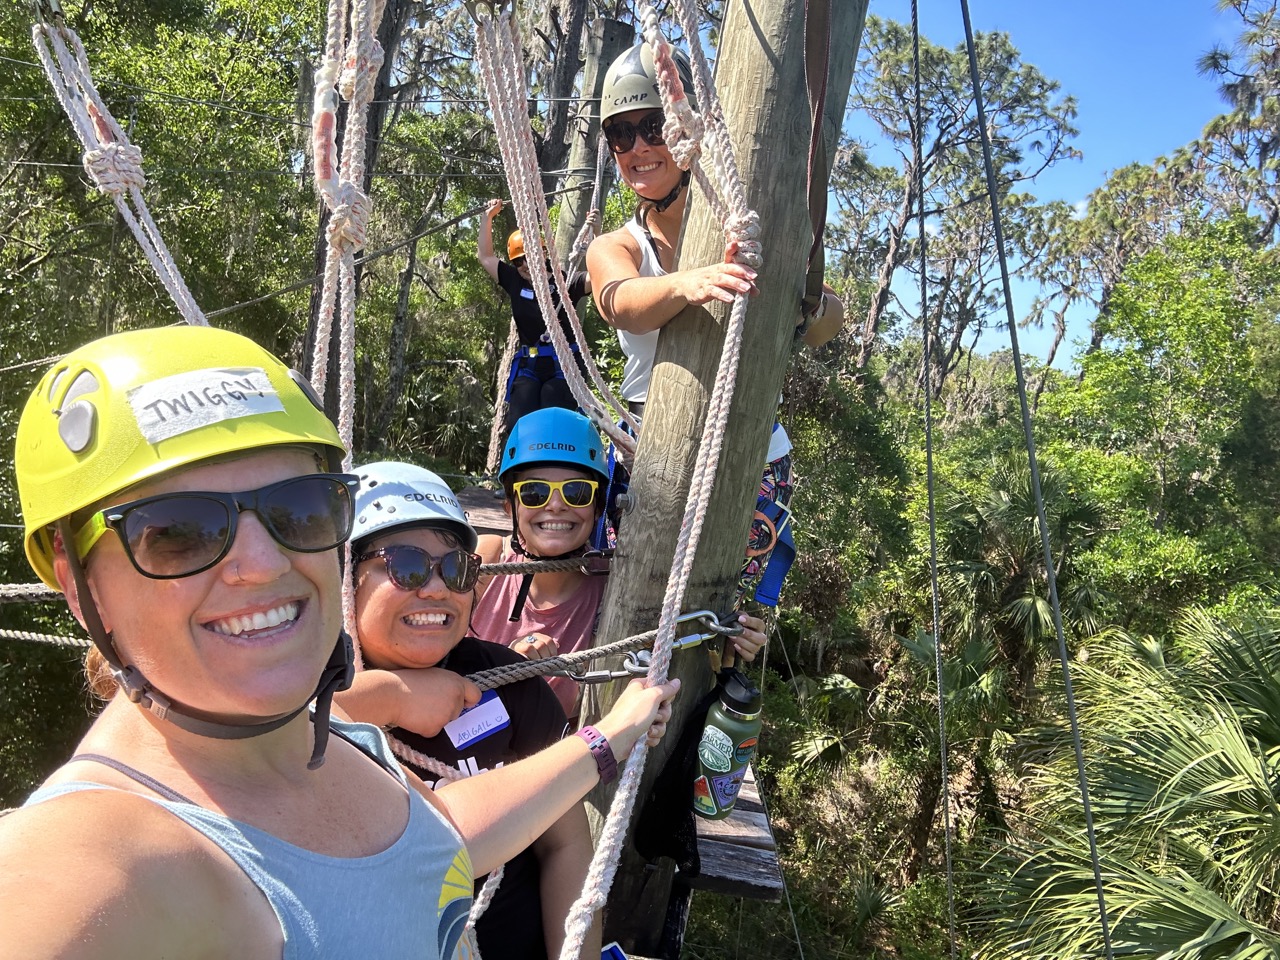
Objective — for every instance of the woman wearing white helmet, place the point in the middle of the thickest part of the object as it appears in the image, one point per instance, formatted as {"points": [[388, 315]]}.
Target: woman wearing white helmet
{"points": [[638, 291], [178, 486], [415, 577]]}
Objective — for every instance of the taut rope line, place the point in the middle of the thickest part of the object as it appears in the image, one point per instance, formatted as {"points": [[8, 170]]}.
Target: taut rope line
{"points": [[111, 161], [498, 54], [1051, 576]]}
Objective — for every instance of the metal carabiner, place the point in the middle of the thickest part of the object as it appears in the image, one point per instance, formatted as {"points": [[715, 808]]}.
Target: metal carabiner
{"points": [[726, 626]]}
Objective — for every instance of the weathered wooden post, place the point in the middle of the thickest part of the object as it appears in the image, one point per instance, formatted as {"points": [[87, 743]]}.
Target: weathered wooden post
{"points": [[606, 40], [760, 76]]}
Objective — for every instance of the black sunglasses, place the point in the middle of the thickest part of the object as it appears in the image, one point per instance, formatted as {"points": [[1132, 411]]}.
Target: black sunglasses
{"points": [[174, 535], [621, 134], [411, 568]]}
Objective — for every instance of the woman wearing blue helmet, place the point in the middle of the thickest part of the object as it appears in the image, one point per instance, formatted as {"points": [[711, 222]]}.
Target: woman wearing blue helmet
{"points": [[554, 473]]}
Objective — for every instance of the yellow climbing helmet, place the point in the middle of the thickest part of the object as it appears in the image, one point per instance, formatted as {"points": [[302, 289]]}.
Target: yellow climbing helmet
{"points": [[515, 246], [135, 405]]}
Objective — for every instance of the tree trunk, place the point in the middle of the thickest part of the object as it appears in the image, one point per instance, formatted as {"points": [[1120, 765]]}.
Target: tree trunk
{"points": [[928, 790], [760, 70], [400, 322], [884, 281], [606, 41], [554, 147]]}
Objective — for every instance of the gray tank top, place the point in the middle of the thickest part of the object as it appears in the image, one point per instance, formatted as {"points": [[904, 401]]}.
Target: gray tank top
{"points": [[409, 901]]}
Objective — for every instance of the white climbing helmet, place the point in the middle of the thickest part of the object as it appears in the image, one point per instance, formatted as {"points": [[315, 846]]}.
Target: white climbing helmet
{"points": [[631, 82], [395, 494]]}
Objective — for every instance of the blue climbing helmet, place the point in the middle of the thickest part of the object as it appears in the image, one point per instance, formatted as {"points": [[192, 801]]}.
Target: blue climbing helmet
{"points": [[399, 495], [553, 437]]}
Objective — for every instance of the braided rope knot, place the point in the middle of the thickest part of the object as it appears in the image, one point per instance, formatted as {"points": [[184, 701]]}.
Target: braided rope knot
{"points": [[744, 229], [350, 217], [115, 167], [360, 73]]}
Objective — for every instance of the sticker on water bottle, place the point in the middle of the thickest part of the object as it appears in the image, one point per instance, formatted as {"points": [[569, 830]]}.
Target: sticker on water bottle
{"points": [[716, 750], [727, 788], [702, 802], [745, 749]]}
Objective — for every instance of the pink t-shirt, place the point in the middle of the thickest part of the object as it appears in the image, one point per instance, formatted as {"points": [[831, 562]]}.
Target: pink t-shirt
{"points": [[572, 623]]}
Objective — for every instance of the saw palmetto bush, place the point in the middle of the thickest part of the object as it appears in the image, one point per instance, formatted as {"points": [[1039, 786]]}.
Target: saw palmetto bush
{"points": [[1181, 748]]}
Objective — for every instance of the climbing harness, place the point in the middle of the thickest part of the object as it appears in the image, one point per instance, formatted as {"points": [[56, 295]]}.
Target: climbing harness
{"points": [[111, 161]]}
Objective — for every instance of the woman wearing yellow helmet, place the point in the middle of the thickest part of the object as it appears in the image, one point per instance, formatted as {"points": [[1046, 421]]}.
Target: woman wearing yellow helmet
{"points": [[180, 486]]}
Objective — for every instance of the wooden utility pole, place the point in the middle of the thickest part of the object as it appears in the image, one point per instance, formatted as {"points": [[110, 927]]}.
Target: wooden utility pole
{"points": [[760, 76], [605, 42]]}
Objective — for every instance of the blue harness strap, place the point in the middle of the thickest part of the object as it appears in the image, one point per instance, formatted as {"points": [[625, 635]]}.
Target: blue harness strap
{"points": [[522, 366], [780, 558]]}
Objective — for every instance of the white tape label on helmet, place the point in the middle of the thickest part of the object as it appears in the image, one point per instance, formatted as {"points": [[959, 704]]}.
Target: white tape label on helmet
{"points": [[187, 401]]}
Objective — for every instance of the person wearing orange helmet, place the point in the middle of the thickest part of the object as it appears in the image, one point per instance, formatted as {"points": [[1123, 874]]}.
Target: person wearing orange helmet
{"points": [[536, 379]]}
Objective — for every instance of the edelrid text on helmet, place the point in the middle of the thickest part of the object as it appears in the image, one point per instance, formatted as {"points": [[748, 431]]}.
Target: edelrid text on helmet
{"points": [[394, 495], [554, 437], [133, 406]]}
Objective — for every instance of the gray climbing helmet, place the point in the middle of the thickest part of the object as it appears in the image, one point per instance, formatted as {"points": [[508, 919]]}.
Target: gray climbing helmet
{"points": [[631, 82], [400, 495]]}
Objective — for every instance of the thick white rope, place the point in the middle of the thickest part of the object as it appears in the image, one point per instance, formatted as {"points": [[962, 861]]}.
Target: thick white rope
{"points": [[500, 61], [577, 255], [111, 161], [352, 60], [441, 769], [503, 374], [741, 228]]}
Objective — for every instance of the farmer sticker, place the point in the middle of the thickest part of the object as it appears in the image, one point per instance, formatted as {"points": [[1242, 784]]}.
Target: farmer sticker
{"points": [[716, 750], [176, 405]]}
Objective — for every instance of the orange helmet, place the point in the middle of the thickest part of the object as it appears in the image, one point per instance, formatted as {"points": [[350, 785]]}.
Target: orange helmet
{"points": [[515, 246]]}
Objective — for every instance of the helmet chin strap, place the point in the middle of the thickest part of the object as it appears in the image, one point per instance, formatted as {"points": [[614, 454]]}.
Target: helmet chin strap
{"points": [[671, 197], [336, 676]]}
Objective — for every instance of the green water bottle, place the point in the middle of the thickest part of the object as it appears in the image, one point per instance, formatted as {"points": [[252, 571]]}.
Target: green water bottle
{"points": [[728, 743]]}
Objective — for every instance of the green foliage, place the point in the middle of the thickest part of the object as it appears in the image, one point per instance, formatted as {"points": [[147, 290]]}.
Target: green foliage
{"points": [[1183, 787]]}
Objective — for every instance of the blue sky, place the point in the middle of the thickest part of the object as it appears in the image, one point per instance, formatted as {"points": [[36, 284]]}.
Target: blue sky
{"points": [[1130, 64]]}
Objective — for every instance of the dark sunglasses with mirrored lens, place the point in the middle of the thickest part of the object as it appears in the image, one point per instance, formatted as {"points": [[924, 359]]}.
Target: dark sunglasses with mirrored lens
{"points": [[174, 535], [533, 494], [621, 134], [411, 568]]}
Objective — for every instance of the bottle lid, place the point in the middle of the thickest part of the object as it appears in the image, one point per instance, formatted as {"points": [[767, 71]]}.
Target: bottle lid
{"points": [[738, 693]]}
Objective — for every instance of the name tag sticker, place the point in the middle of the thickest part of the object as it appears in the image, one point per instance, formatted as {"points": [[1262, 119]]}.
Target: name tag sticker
{"points": [[527, 293], [475, 723], [176, 405]]}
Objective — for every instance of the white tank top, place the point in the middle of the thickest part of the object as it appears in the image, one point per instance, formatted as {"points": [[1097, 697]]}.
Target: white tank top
{"points": [[639, 348]]}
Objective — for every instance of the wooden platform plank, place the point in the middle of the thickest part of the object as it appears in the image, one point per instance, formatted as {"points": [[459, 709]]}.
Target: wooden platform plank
{"points": [[484, 510], [739, 854], [745, 828], [738, 871]]}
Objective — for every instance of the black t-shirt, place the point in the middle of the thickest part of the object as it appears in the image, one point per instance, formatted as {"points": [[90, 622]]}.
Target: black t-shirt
{"points": [[512, 926], [524, 303]]}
